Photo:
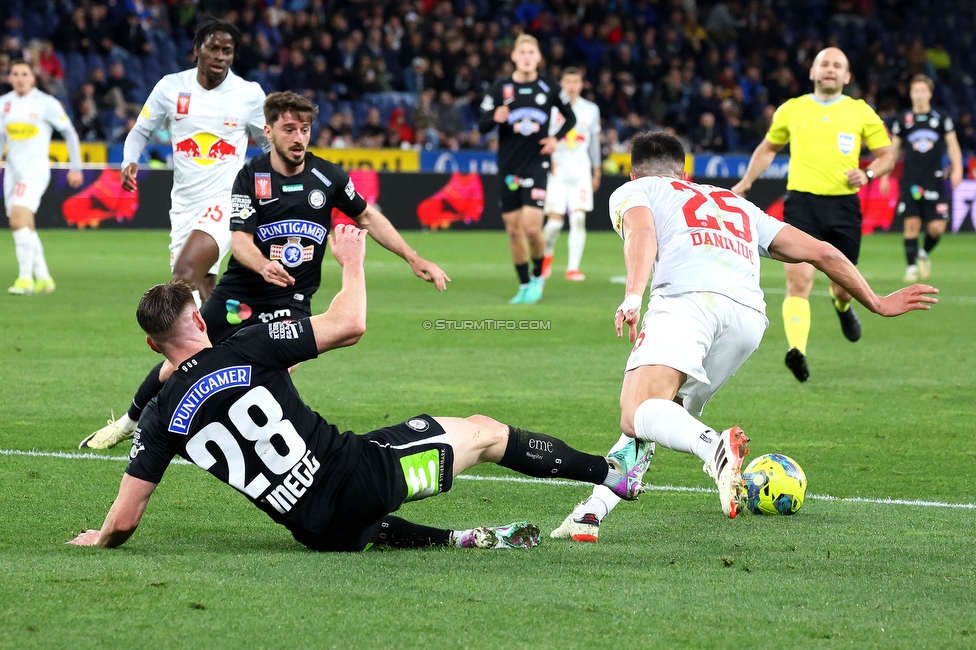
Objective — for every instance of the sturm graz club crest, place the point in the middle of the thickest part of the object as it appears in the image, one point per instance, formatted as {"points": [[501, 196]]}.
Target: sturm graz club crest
{"points": [[292, 253], [418, 424]]}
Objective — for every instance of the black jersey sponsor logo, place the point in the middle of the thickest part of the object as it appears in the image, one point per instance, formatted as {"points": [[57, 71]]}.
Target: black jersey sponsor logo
{"points": [[281, 331], [137, 444], [292, 253], [204, 389], [528, 113], [540, 99], [295, 187], [418, 424], [316, 199], [267, 317], [322, 177], [240, 206], [525, 91], [350, 190], [544, 86], [292, 228]]}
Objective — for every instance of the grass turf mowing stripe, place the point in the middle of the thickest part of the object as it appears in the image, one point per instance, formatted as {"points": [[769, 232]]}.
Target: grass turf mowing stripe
{"points": [[537, 481]]}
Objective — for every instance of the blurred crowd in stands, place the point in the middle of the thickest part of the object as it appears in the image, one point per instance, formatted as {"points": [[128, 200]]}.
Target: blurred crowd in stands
{"points": [[403, 73]]}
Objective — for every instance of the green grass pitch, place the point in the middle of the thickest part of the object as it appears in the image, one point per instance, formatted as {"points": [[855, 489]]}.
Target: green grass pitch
{"points": [[891, 417]]}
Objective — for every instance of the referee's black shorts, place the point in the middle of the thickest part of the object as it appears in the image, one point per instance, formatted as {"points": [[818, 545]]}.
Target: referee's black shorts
{"points": [[833, 219]]}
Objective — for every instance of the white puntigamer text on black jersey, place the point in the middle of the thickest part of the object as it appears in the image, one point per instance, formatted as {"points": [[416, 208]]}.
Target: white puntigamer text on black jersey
{"points": [[234, 411], [289, 217]]}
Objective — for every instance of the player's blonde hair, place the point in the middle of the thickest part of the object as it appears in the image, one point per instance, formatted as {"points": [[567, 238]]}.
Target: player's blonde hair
{"points": [[922, 79], [526, 38]]}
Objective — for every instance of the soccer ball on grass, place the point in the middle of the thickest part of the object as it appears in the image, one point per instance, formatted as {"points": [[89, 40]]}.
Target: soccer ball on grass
{"points": [[775, 484]]}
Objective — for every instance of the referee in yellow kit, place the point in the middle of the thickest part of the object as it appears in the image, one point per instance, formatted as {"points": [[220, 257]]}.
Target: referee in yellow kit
{"points": [[825, 130]]}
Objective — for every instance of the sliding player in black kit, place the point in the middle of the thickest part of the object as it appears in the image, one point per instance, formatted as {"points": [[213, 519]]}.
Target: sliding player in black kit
{"points": [[280, 213], [234, 411], [521, 105], [927, 137]]}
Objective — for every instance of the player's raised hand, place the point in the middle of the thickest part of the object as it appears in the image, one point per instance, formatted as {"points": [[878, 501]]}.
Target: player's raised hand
{"points": [[129, 172], [741, 188], [75, 178], [87, 538], [430, 272], [348, 244], [274, 273], [501, 114], [628, 312], [907, 299], [548, 145]]}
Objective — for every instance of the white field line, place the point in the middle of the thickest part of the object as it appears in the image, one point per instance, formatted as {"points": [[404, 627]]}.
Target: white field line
{"points": [[534, 481]]}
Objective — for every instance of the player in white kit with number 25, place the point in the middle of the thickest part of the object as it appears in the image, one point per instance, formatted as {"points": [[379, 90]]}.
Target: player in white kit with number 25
{"points": [[706, 313], [210, 111]]}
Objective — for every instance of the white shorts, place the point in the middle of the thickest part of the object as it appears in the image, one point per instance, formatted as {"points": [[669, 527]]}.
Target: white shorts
{"points": [[707, 336], [568, 195], [25, 192], [213, 219]]}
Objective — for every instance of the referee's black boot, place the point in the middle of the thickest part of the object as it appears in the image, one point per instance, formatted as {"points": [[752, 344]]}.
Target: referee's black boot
{"points": [[849, 323], [797, 363]]}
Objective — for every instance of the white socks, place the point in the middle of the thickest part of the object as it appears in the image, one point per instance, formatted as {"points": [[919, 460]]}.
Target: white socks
{"points": [[550, 232], [603, 500], [128, 424], [577, 239], [196, 298], [25, 250], [668, 424], [40, 264]]}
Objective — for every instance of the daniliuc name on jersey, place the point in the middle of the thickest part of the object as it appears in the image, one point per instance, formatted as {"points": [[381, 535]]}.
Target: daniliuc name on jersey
{"points": [[292, 228], [195, 146], [202, 390]]}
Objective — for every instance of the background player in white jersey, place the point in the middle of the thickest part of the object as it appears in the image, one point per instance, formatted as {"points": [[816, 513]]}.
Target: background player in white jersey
{"points": [[574, 177], [27, 117], [706, 313], [210, 112]]}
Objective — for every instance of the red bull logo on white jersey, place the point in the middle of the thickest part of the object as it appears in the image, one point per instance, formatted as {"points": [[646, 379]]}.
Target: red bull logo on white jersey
{"points": [[204, 149]]}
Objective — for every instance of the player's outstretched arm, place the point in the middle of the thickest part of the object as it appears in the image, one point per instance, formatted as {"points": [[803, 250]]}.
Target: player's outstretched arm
{"points": [[245, 252], [760, 161], [344, 322], [640, 250], [383, 232], [124, 516], [793, 245]]}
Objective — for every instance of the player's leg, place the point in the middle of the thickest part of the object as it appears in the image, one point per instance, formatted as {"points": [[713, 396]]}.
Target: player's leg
{"points": [[532, 217], [400, 533], [577, 242], [912, 227], [937, 217], [22, 228], [520, 251], [197, 256], [481, 439], [555, 209]]}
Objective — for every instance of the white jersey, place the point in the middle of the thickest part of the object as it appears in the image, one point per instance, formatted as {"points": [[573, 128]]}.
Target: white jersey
{"points": [[27, 123], [209, 129], [573, 158], [708, 239]]}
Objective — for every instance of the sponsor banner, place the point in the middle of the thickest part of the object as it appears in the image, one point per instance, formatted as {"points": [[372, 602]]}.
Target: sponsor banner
{"points": [[386, 160], [734, 166], [91, 152], [413, 201], [466, 162]]}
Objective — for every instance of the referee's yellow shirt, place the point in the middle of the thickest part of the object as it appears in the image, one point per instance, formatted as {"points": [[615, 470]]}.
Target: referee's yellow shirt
{"points": [[825, 141]]}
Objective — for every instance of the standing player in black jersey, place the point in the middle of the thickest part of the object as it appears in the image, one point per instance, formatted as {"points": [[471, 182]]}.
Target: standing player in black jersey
{"points": [[281, 208], [929, 135], [520, 105], [234, 411]]}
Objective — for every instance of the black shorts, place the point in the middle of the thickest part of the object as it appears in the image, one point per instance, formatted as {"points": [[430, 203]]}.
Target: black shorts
{"points": [[929, 203], [525, 188], [225, 315], [405, 462], [833, 219]]}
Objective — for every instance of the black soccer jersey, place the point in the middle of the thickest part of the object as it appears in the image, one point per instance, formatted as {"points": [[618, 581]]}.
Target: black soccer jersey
{"points": [[289, 217], [530, 107], [233, 410], [923, 135]]}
